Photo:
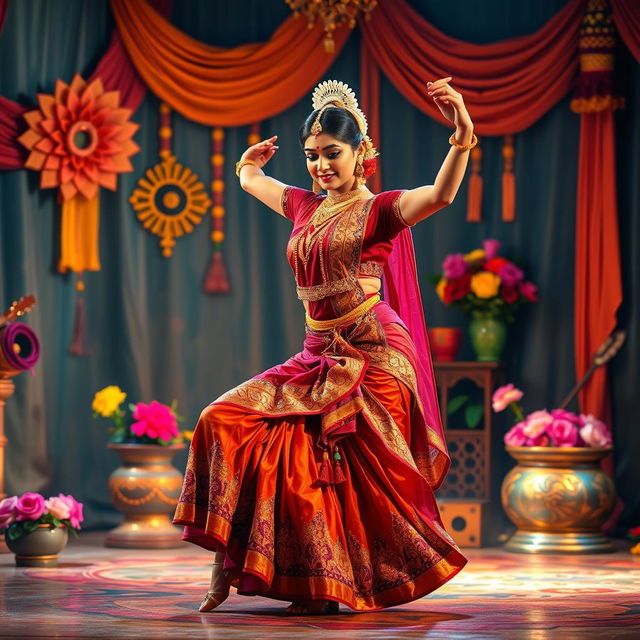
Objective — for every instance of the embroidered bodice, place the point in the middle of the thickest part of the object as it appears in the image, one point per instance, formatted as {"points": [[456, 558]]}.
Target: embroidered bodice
{"points": [[329, 253]]}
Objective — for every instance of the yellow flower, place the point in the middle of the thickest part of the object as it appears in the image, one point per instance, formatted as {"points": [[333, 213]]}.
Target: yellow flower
{"points": [[108, 400], [636, 549], [485, 284], [476, 254], [440, 288], [187, 435]]}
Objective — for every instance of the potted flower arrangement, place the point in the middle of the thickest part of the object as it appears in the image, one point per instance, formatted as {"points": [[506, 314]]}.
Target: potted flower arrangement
{"points": [[489, 288], [557, 495], [35, 529], [146, 487]]}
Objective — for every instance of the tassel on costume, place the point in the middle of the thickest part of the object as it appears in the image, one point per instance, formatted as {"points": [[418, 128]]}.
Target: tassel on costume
{"points": [[338, 475], [216, 280], [325, 475]]}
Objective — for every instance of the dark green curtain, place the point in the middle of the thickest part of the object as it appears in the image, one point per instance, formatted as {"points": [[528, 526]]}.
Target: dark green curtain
{"points": [[151, 330]]}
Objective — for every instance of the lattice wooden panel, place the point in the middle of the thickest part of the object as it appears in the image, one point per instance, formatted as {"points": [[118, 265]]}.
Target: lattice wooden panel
{"points": [[467, 477]]}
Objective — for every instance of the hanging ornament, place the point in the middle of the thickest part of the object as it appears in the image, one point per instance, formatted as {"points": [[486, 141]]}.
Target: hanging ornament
{"points": [[508, 180], [169, 199], [216, 279], [79, 139], [474, 195]]}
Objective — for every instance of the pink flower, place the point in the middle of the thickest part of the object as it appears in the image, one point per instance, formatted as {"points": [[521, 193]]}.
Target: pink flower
{"points": [[537, 423], [30, 506], [563, 433], [515, 437], [75, 510], [454, 266], [154, 420], [58, 508], [594, 432], [8, 511], [504, 396], [529, 291], [541, 440], [491, 248], [563, 414], [510, 274]]}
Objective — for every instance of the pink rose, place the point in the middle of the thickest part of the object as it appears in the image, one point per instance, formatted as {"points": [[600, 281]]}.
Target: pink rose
{"points": [[75, 510], [537, 423], [8, 511], [491, 248], [58, 508], [504, 396], [541, 440], [30, 506], [154, 420], [594, 432], [515, 437], [510, 275], [563, 414], [563, 433], [454, 266], [529, 291]]}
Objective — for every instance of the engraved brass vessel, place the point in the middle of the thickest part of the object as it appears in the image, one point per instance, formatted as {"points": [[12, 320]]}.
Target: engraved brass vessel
{"points": [[145, 489], [558, 498]]}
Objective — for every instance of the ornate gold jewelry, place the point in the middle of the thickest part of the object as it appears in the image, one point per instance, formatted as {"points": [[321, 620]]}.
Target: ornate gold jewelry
{"points": [[465, 147], [358, 172], [241, 164], [346, 319], [315, 187]]}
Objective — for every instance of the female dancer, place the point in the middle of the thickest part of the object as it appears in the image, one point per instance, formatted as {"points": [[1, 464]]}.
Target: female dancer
{"points": [[313, 482]]}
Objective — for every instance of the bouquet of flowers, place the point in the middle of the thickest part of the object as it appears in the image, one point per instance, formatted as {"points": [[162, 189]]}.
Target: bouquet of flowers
{"points": [[20, 515], [153, 423], [483, 283], [558, 428]]}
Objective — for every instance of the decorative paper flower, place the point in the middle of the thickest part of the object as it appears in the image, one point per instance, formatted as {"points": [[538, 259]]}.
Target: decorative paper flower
{"points": [[8, 511], [563, 433], [594, 432], [504, 396], [537, 423], [30, 506], [154, 420], [485, 284], [510, 274], [454, 266], [491, 248], [79, 138], [108, 400], [516, 437]]}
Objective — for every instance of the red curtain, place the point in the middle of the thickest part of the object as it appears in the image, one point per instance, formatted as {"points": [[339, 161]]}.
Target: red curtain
{"points": [[626, 15], [507, 85]]}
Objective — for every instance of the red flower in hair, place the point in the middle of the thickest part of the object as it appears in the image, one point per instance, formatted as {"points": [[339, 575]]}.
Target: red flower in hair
{"points": [[370, 166]]}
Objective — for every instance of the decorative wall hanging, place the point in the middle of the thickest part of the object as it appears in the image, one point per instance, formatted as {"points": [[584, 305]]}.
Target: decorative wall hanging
{"points": [[79, 139], [169, 199], [508, 180]]}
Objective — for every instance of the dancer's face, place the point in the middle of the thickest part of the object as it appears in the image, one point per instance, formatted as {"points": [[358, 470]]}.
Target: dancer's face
{"points": [[331, 162]]}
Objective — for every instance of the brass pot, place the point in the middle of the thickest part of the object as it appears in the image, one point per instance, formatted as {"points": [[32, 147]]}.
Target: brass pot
{"points": [[558, 498], [145, 489], [40, 547]]}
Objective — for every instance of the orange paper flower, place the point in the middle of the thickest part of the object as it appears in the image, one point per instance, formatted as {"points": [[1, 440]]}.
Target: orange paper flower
{"points": [[79, 138]]}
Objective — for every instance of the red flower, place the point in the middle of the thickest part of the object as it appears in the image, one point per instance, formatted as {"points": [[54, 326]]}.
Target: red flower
{"points": [[509, 294], [457, 288], [370, 166], [529, 291], [634, 531], [495, 264]]}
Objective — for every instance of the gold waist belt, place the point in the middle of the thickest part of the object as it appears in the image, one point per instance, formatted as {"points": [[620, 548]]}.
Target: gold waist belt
{"points": [[346, 319]]}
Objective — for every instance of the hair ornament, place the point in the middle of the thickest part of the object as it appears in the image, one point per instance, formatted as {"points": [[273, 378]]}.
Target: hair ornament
{"points": [[337, 94]]}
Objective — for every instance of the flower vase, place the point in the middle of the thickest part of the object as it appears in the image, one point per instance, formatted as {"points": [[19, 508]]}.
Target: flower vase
{"points": [[445, 343], [488, 336], [145, 489], [558, 498], [40, 547]]}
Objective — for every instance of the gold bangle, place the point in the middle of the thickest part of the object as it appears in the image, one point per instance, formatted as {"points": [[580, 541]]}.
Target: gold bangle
{"points": [[241, 164], [465, 147]]}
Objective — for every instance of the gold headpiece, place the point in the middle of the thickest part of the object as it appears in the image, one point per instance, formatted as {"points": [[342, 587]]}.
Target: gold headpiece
{"points": [[333, 93]]}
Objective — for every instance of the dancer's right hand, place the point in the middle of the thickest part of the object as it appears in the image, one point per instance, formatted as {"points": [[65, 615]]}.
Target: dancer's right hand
{"points": [[261, 152]]}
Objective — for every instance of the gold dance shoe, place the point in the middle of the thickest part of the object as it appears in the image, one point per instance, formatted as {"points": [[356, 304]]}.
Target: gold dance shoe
{"points": [[218, 589]]}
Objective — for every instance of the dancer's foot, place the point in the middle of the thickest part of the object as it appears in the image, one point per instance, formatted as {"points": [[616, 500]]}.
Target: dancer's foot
{"points": [[218, 589], [312, 608]]}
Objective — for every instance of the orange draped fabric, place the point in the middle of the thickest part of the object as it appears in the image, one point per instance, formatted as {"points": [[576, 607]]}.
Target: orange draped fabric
{"points": [[506, 85], [219, 86], [626, 15], [598, 286]]}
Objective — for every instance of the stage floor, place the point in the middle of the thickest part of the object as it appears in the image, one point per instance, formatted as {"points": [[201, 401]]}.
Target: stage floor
{"points": [[97, 592]]}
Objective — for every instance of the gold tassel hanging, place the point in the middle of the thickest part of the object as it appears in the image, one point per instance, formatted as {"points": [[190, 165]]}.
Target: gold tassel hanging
{"points": [[474, 198], [508, 180]]}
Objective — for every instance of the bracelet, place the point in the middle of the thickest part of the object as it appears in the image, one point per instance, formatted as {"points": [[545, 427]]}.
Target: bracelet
{"points": [[465, 147], [241, 164]]}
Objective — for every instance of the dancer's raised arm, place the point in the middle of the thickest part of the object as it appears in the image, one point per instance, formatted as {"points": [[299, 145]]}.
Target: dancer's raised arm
{"points": [[252, 178], [418, 204]]}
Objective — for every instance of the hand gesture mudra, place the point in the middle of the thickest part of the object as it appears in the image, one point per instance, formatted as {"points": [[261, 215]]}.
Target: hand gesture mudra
{"points": [[261, 152], [449, 101]]}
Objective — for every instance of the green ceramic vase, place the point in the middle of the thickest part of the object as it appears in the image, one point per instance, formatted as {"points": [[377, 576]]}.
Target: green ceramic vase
{"points": [[488, 336]]}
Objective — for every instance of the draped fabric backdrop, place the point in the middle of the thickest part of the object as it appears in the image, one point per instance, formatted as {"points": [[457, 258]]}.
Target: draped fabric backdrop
{"points": [[152, 330]]}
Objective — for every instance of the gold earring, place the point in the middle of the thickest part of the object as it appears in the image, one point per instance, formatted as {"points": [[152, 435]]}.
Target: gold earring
{"points": [[358, 172], [316, 187]]}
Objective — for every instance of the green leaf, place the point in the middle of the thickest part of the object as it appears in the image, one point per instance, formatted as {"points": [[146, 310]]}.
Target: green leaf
{"points": [[455, 403], [473, 415]]}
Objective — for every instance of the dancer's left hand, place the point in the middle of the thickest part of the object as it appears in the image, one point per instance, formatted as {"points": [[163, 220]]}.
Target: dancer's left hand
{"points": [[449, 101]]}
